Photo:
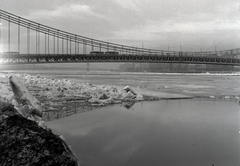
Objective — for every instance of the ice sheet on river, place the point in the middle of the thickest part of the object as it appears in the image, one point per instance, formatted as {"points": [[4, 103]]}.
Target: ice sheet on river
{"points": [[65, 90]]}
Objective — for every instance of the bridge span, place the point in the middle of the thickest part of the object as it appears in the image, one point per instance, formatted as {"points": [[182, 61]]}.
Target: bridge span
{"points": [[23, 41], [83, 58]]}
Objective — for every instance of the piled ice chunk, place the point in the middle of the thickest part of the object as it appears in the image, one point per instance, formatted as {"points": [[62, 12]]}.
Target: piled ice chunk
{"points": [[22, 96], [63, 89]]}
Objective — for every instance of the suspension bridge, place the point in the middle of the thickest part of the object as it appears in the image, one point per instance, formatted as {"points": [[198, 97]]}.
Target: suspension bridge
{"points": [[23, 41]]}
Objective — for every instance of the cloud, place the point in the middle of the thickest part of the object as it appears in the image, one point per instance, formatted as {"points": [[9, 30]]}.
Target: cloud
{"points": [[192, 27], [134, 21], [152, 28], [129, 4], [65, 11], [214, 22]]}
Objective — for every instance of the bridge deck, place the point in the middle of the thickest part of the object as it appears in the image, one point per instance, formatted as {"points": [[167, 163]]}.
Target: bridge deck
{"points": [[80, 58]]}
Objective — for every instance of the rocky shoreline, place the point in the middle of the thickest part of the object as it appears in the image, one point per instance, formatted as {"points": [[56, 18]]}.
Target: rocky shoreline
{"points": [[24, 137], [23, 142]]}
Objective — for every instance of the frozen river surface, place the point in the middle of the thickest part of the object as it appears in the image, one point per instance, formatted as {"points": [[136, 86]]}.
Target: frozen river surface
{"points": [[155, 84], [185, 84], [169, 133]]}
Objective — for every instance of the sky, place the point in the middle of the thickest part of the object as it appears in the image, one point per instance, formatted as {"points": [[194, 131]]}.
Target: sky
{"points": [[158, 24]]}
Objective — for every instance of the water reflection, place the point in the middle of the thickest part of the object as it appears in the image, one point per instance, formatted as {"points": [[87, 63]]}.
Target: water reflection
{"points": [[128, 104], [186, 132]]}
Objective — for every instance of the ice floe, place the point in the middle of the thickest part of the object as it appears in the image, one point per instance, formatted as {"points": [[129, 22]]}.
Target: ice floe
{"points": [[46, 89]]}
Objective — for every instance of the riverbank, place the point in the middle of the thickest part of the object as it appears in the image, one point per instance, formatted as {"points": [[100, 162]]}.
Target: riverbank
{"points": [[25, 138]]}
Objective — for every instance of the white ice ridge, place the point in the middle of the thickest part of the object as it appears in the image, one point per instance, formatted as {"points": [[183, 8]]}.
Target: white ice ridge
{"points": [[22, 97], [63, 89]]}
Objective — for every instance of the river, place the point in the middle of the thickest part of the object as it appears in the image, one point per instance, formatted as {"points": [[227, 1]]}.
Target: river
{"points": [[167, 132], [200, 131]]}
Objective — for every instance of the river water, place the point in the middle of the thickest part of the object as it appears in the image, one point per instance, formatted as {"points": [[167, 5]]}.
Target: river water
{"points": [[168, 132], [201, 131]]}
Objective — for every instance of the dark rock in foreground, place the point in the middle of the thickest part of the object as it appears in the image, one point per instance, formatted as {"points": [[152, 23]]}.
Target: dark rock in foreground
{"points": [[23, 142], [24, 139]]}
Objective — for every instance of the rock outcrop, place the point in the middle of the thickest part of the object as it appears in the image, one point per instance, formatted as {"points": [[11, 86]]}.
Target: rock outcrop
{"points": [[24, 140]]}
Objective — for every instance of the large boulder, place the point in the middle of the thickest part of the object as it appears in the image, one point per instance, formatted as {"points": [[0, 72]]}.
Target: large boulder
{"points": [[23, 142]]}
